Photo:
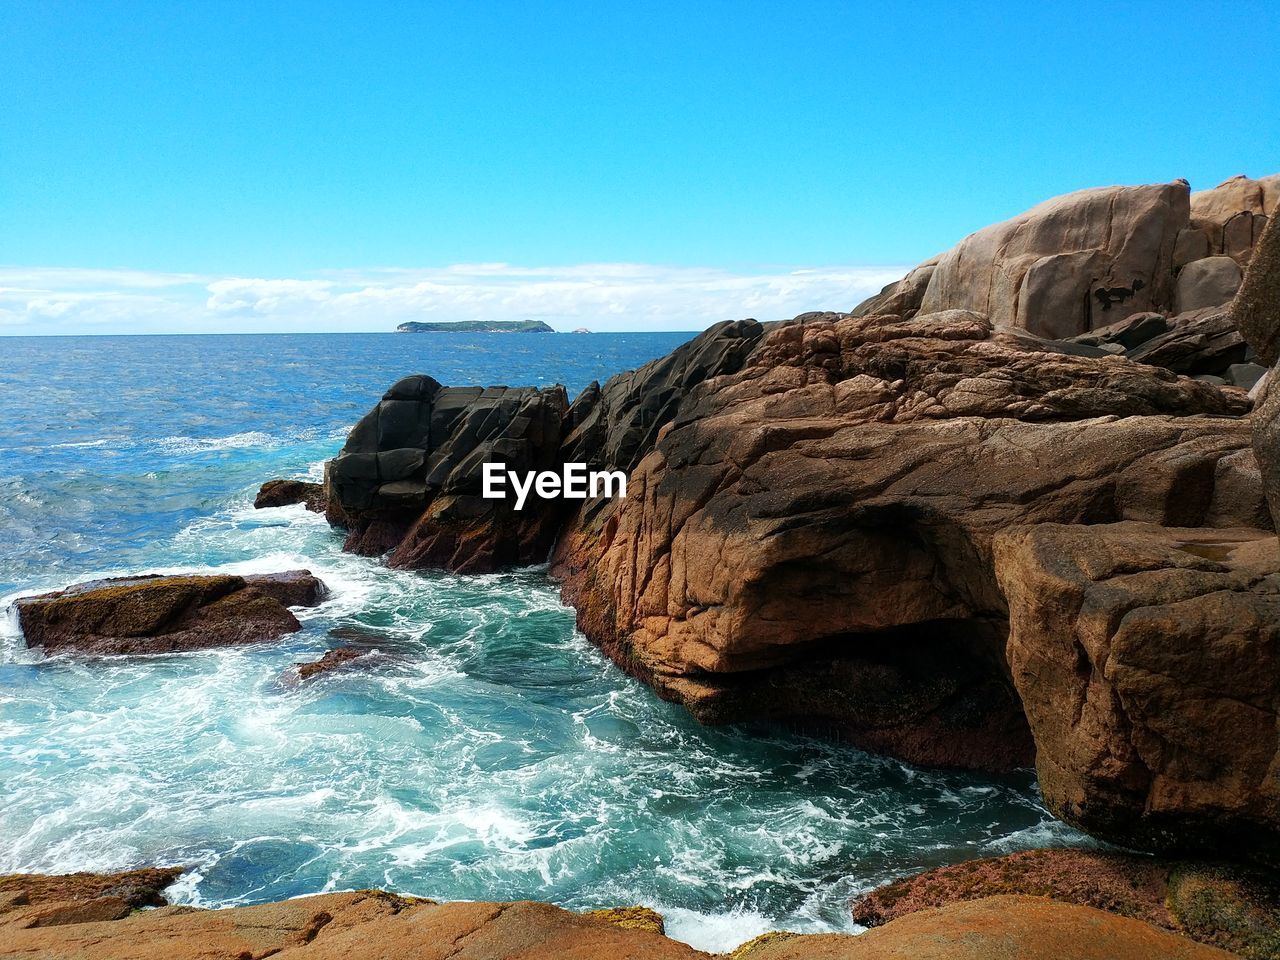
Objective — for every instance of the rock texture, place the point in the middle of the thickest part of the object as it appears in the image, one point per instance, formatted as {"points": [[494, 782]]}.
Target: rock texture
{"points": [[409, 478], [372, 925], [163, 614], [1146, 660], [1087, 259], [810, 540], [998, 928], [283, 493], [1223, 906]]}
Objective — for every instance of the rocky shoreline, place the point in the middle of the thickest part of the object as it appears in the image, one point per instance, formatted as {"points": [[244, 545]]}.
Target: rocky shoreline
{"points": [[1017, 509]]}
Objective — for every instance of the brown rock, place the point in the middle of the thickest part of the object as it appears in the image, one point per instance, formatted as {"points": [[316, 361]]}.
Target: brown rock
{"points": [[810, 540], [1070, 264], [1200, 342], [1232, 216], [367, 925], [1256, 310], [283, 493], [998, 928], [332, 660], [1146, 661], [1124, 884], [162, 614]]}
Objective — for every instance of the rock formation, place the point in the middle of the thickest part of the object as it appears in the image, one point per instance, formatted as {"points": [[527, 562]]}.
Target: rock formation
{"points": [[80, 918], [1087, 259], [283, 493], [927, 527], [1220, 905], [810, 539], [164, 614]]}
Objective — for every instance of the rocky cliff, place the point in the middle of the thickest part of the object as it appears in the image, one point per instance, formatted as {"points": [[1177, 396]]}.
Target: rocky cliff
{"points": [[983, 520]]}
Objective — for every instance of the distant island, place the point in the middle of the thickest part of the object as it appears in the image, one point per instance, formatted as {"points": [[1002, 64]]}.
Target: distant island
{"points": [[475, 326]]}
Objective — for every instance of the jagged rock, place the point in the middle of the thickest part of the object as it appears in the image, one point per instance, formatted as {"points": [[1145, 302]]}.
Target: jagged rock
{"points": [[1256, 311], [614, 426], [332, 660], [1132, 331], [409, 478], [1210, 282], [162, 614], [283, 493], [373, 925], [1202, 341], [810, 539], [1146, 658]]}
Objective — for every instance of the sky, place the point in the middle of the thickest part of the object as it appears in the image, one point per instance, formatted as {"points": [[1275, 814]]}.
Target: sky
{"points": [[320, 166]]}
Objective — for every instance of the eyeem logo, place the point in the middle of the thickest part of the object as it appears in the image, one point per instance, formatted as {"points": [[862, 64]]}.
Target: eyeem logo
{"points": [[575, 483]]}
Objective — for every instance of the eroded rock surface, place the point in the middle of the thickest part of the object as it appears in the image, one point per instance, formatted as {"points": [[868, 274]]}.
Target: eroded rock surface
{"points": [[373, 925], [1147, 659], [163, 614], [810, 539], [283, 493], [1084, 260]]}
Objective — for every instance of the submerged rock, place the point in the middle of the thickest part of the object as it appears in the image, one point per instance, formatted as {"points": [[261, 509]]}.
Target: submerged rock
{"points": [[332, 660], [283, 493], [163, 614]]}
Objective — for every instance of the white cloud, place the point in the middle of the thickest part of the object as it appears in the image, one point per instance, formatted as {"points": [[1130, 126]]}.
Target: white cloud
{"points": [[601, 296]]}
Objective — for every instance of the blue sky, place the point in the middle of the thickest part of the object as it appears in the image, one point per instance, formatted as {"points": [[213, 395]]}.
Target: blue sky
{"points": [[204, 166]]}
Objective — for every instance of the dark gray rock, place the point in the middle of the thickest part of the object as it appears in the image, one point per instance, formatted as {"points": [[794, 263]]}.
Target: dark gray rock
{"points": [[1132, 331], [410, 476], [614, 426], [1203, 341], [1245, 375]]}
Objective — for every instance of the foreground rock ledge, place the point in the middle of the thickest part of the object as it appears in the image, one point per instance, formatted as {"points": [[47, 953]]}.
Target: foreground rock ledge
{"points": [[75, 918], [165, 614]]}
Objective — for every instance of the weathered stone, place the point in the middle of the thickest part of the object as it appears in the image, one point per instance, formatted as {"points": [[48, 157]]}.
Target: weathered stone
{"points": [[1256, 310], [1245, 375], [1233, 214], [283, 493], [893, 451], [332, 660], [1132, 331], [997, 928], [1146, 659], [1070, 264], [1202, 341], [162, 614], [1210, 282], [409, 479]]}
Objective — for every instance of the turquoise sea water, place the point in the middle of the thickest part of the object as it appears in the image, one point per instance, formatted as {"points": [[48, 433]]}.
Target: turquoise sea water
{"points": [[491, 754]]}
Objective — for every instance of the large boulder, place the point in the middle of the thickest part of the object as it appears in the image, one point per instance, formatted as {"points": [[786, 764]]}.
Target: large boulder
{"points": [[810, 539], [163, 614], [1232, 216], [283, 493], [1147, 659], [1085, 260]]}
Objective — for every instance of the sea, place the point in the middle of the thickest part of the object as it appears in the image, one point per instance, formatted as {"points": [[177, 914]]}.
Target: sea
{"points": [[492, 754]]}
